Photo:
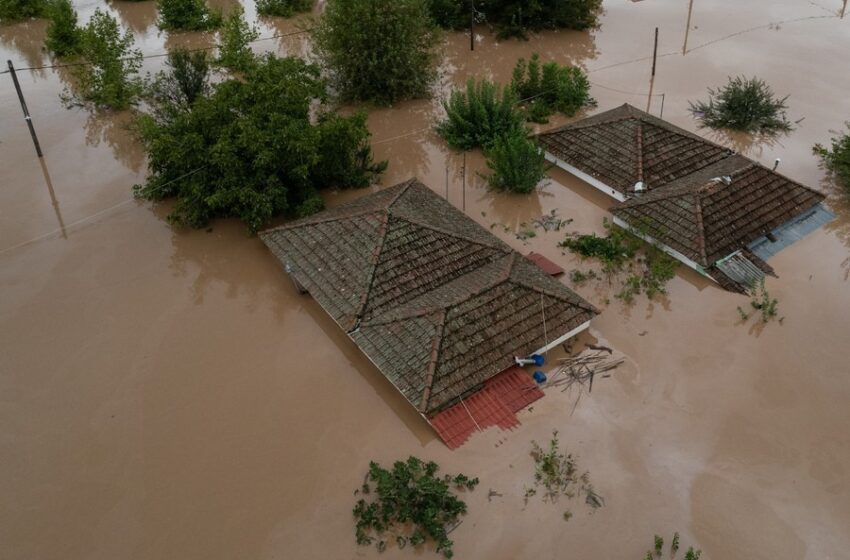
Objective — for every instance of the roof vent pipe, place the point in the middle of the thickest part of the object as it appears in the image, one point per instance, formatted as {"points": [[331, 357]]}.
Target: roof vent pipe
{"points": [[535, 359], [639, 187], [776, 163]]}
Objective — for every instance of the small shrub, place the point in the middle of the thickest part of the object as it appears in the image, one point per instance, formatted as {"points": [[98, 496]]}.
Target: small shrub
{"points": [[234, 51], [283, 8], [110, 78], [745, 104], [378, 50], [550, 88], [187, 15], [479, 115], [16, 10], [516, 164], [836, 158], [674, 545], [659, 545], [762, 302], [409, 499], [63, 34], [558, 475], [692, 555], [580, 277], [345, 156]]}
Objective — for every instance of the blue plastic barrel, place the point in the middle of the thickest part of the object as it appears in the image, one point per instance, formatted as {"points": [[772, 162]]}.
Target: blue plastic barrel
{"points": [[539, 376]]}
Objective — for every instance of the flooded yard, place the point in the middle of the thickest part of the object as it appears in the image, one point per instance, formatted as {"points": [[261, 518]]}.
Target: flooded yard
{"points": [[166, 393]]}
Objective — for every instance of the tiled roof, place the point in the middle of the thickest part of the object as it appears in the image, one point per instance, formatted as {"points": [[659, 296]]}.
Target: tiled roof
{"points": [[436, 301], [625, 145], [719, 210]]}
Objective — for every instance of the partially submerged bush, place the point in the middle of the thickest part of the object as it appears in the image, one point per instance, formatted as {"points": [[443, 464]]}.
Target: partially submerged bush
{"points": [[378, 50], [249, 149], [550, 88], [516, 163], [63, 34], [110, 76], [836, 158], [479, 115], [283, 8], [234, 51], [16, 10], [744, 104], [187, 15], [410, 502]]}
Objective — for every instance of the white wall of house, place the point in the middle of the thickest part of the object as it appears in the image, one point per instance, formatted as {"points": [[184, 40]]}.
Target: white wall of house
{"points": [[595, 183]]}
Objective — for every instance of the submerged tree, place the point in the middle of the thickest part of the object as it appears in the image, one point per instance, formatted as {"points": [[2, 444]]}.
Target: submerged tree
{"points": [[480, 114], [109, 75], [378, 50], [516, 164], [249, 149], [185, 80], [550, 88], [63, 33], [283, 8], [836, 158], [236, 35], [411, 503], [187, 15], [16, 10], [744, 104]]}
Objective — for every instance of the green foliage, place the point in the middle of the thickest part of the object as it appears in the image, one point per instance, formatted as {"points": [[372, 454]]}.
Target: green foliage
{"points": [[283, 8], [378, 50], [479, 115], [762, 301], [63, 34], [185, 79], [514, 18], [452, 14], [674, 546], [15, 10], [187, 15], [410, 498], [249, 149], [745, 104], [692, 555], [110, 77], [557, 474], [234, 51], [659, 545], [647, 268], [516, 163], [550, 88], [580, 277], [837, 157]]}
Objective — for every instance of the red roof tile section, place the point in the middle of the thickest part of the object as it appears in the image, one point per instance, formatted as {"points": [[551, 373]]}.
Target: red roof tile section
{"points": [[545, 264], [495, 405]]}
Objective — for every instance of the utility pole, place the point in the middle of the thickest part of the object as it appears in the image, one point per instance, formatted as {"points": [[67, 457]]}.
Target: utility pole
{"points": [[24, 107], [472, 25], [655, 52], [688, 26], [843, 9]]}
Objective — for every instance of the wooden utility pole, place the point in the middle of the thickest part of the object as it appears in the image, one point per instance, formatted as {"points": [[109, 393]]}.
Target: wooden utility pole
{"points": [[24, 108], [472, 25], [688, 26], [654, 52], [843, 9]]}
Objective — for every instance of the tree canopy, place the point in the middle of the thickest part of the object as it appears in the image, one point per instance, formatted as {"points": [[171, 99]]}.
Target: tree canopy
{"points": [[249, 148], [14, 10], [378, 50], [187, 15]]}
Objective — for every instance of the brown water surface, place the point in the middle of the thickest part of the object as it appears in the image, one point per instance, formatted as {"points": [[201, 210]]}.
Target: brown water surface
{"points": [[166, 394]]}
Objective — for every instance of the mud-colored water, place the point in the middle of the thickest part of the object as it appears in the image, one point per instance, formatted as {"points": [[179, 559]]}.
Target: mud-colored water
{"points": [[166, 394]]}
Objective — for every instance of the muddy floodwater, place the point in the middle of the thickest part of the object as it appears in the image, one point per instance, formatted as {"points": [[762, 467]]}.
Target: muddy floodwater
{"points": [[167, 394]]}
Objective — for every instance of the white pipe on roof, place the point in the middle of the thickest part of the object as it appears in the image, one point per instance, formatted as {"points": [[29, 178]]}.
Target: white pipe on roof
{"points": [[564, 338]]}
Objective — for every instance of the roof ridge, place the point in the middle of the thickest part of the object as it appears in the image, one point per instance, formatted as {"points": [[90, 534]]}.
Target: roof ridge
{"points": [[551, 293], [444, 231], [436, 347], [640, 151], [407, 184], [376, 257], [700, 230], [308, 222], [577, 125]]}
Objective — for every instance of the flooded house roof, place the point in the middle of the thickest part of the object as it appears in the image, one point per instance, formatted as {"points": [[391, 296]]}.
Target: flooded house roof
{"points": [[625, 146], [437, 302], [719, 210]]}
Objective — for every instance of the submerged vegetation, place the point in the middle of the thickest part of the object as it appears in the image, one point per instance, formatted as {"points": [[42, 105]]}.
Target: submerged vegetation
{"points": [[16, 10], [836, 158], [109, 76], [381, 51], [63, 33], [762, 302], [480, 114], [283, 8], [550, 88], [248, 148], [516, 164], [234, 52], [743, 104], [517, 19], [642, 267], [411, 503], [557, 474], [658, 549], [187, 15]]}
